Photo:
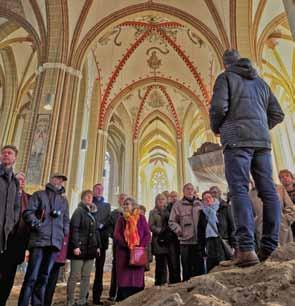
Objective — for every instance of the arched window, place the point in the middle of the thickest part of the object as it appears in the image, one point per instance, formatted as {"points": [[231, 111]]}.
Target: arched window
{"points": [[159, 182]]}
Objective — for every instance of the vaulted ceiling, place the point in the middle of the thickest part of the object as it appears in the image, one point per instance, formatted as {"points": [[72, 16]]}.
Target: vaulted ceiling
{"points": [[153, 58]]}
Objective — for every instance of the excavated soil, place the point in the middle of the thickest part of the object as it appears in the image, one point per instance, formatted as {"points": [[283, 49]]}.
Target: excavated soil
{"points": [[268, 284]]}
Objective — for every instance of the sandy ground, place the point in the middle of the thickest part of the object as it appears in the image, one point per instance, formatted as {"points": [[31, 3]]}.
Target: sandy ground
{"points": [[267, 284], [60, 292]]}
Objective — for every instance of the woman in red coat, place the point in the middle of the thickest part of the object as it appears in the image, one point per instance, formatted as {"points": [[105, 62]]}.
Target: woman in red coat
{"points": [[131, 230]]}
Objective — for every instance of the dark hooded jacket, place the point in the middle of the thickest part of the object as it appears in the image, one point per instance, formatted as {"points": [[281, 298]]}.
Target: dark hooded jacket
{"points": [[104, 220], [9, 205], [18, 241], [226, 225], [243, 108], [47, 229], [84, 232]]}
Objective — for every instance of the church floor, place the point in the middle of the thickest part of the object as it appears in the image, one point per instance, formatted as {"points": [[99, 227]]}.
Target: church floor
{"points": [[60, 292]]}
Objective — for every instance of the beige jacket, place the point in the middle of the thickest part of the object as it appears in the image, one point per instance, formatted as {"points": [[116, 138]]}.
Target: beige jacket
{"points": [[287, 214], [183, 221]]}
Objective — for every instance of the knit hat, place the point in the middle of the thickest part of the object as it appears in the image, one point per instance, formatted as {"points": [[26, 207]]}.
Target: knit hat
{"points": [[230, 56]]}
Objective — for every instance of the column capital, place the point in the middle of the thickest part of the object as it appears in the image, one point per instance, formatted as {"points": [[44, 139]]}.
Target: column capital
{"points": [[68, 69]]}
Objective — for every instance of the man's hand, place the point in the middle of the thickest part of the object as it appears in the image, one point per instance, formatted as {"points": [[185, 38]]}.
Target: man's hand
{"points": [[27, 254], [98, 251], [179, 233], [77, 251]]}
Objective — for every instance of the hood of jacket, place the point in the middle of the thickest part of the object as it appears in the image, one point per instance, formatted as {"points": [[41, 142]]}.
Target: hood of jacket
{"points": [[92, 208], [244, 68], [52, 188]]}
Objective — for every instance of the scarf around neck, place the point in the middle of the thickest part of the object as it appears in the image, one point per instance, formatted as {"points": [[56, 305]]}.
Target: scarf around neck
{"points": [[131, 234], [211, 213]]}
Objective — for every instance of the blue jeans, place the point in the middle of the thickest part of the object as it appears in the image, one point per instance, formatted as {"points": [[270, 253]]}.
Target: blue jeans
{"points": [[41, 261], [239, 163]]}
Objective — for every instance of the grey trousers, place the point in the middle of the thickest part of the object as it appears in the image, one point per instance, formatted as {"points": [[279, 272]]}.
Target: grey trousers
{"points": [[80, 271]]}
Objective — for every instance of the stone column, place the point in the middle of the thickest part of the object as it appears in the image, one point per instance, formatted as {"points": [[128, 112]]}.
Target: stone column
{"points": [[243, 26], [51, 75], [135, 165], [89, 173], [180, 164], [101, 144], [9, 94], [128, 165], [290, 10], [42, 132]]}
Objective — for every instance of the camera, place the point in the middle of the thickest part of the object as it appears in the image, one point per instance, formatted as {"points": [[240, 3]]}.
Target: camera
{"points": [[55, 213], [35, 224]]}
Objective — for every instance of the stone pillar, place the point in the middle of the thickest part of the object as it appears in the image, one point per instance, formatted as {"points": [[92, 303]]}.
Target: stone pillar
{"points": [[89, 173], [243, 26], [128, 165], [135, 165], [51, 75], [9, 94], [180, 164], [42, 130], [101, 144], [290, 10]]}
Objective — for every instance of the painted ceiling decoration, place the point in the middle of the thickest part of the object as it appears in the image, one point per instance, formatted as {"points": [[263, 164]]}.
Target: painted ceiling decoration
{"points": [[158, 40], [151, 65]]}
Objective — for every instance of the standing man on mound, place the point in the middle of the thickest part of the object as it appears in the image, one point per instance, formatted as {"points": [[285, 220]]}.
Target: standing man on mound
{"points": [[243, 110]]}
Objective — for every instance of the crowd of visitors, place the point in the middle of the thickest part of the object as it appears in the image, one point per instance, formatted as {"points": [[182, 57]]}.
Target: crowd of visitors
{"points": [[188, 235]]}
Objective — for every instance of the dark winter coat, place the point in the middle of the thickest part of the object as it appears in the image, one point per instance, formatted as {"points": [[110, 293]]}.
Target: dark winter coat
{"points": [[226, 226], [158, 222], [9, 205], [45, 229], [243, 108], [84, 233], [19, 239], [115, 214], [103, 219]]}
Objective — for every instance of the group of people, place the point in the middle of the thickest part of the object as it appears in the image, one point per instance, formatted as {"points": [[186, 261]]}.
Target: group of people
{"points": [[189, 234]]}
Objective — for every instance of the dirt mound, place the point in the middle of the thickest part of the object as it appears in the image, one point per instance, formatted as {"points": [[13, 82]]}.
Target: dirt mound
{"points": [[269, 284]]}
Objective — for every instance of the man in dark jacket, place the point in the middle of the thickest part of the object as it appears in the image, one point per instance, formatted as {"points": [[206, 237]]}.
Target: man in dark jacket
{"points": [[243, 109], [103, 219], [9, 218], [115, 214], [174, 247], [16, 246], [48, 216]]}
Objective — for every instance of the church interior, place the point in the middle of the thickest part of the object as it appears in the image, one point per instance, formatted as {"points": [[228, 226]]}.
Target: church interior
{"points": [[119, 91]]}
